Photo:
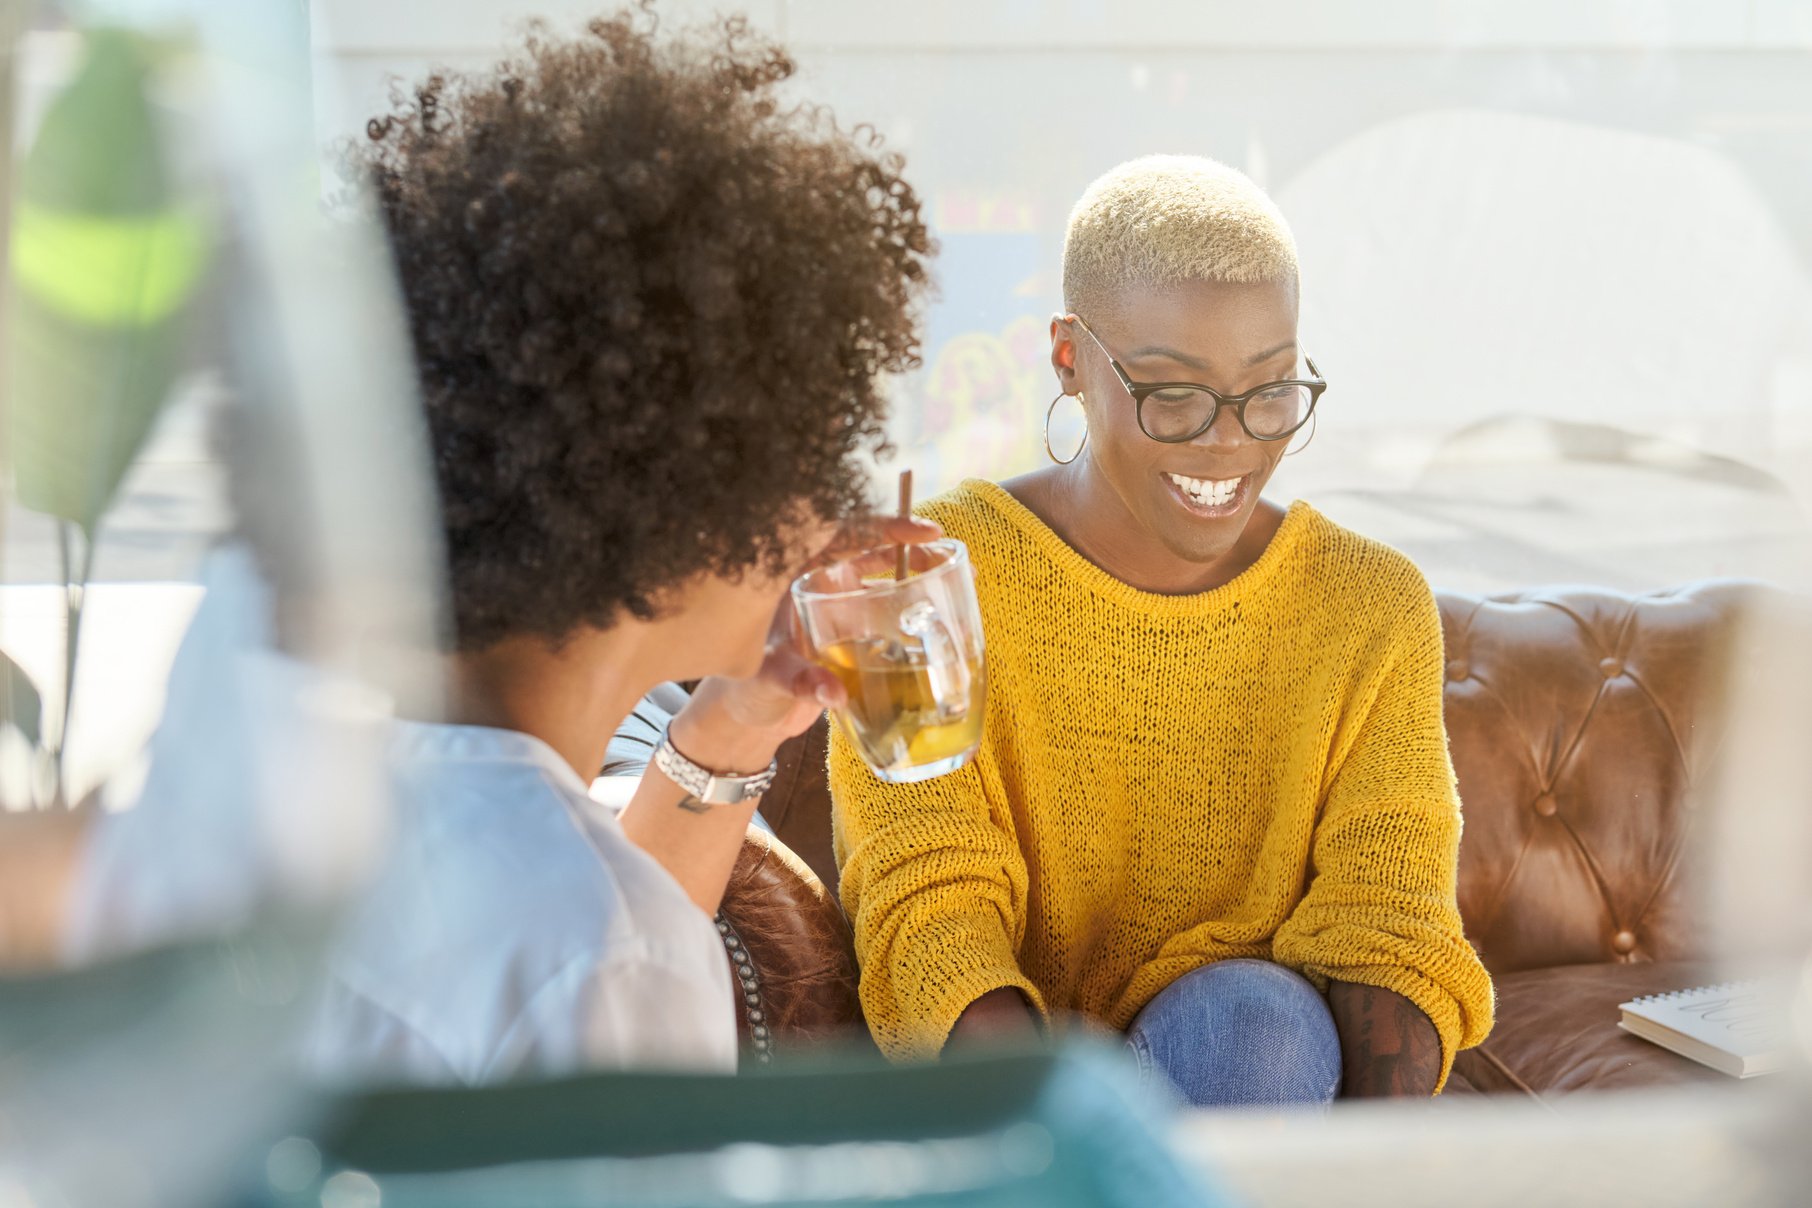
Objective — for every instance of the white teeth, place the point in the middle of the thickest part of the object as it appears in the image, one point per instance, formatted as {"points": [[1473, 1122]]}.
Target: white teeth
{"points": [[1205, 492]]}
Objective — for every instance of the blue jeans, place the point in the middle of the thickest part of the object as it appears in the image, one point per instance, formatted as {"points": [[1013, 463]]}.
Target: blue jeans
{"points": [[1240, 1033]]}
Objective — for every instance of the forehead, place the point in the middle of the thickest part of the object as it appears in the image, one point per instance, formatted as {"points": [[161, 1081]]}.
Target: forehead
{"points": [[1215, 322]]}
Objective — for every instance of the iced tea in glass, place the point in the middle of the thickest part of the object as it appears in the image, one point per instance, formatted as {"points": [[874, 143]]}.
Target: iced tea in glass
{"points": [[907, 651]]}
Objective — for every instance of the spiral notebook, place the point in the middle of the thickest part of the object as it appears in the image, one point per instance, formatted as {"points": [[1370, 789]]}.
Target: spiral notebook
{"points": [[1739, 1028]]}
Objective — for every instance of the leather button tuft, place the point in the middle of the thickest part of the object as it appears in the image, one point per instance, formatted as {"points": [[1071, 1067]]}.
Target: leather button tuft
{"points": [[1624, 942], [1546, 806], [1457, 670], [1610, 667]]}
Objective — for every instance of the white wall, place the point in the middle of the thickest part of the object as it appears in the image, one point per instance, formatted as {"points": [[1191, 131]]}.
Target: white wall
{"points": [[1595, 212]]}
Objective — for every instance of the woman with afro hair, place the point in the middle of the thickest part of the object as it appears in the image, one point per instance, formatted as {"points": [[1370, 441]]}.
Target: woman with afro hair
{"points": [[651, 303]]}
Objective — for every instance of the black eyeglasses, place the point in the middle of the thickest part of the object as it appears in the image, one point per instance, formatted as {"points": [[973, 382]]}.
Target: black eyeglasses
{"points": [[1178, 412]]}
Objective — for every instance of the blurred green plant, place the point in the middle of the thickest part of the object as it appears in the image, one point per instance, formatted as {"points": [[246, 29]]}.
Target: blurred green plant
{"points": [[20, 704], [104, 261]]}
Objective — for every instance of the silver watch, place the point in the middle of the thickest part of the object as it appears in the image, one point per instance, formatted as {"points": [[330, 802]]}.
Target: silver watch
{"points": [[710, 787]]}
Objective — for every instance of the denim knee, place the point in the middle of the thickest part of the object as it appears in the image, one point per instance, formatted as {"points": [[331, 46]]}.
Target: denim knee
{"points": [[1240, 1033]]}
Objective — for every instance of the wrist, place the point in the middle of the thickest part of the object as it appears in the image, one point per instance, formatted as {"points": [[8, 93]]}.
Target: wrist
{"points": [[715, 741], [1003, 1014]]}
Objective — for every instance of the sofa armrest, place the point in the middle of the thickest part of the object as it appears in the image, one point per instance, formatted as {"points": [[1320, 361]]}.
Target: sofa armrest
{"points": [[614, 792], [792, 954]]}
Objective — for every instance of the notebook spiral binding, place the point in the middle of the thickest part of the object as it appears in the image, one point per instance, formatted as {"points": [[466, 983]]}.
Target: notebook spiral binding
{"points": [[1714, 988]]}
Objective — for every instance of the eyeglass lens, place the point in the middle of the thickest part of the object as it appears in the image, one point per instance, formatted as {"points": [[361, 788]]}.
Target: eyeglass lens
{"points": [[1173, 415]]}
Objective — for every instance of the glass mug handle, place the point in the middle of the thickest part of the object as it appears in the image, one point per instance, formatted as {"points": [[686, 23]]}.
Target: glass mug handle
{"points": [[946, 668]]}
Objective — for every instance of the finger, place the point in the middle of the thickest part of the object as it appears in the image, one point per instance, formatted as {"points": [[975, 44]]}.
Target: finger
{"points": [[907, 530], [788, 674], [867, 532], [813, 683]]}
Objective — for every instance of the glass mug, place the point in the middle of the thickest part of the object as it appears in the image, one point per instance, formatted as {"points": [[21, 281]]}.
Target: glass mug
{"points": [[908, 652]]}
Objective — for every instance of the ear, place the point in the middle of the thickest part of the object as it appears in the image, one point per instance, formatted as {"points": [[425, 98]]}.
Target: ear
{"points": [[1063, 353]]}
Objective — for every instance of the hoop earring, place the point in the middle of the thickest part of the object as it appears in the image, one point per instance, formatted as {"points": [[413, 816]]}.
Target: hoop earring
{"points": [[1314, 426], [1048, 413]]}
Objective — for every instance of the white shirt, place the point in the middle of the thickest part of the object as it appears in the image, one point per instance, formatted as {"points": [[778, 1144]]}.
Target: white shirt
{"points": [[515, 930]]}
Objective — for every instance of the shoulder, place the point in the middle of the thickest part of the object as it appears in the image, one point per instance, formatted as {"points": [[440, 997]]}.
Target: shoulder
{"points": [[1358, 564], [971, 509], [511, 854], [1370, 593], [1006, 540], [505, 834]]}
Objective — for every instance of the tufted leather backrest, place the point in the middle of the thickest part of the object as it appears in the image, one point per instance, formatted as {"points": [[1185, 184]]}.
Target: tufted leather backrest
{"points": [[1582, 724]]}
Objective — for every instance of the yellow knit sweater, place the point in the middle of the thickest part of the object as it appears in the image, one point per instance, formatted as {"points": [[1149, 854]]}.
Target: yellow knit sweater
{"points": [[1164, 781]]}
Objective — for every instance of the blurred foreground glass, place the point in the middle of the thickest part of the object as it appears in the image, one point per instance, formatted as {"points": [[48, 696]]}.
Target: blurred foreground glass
{"points": [[908, 653], [214, 464]]}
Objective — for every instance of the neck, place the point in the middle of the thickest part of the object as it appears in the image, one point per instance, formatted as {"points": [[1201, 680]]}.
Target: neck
{"points": [[572, 697], [1092, 518]]}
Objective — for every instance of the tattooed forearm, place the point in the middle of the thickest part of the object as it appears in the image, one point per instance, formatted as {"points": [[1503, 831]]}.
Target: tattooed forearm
{"points": [[692, 805], [1387, 1045]]}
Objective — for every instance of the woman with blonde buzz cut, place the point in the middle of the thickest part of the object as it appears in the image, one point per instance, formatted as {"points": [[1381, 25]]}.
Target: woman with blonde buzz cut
{"points": [[1213, 807]]}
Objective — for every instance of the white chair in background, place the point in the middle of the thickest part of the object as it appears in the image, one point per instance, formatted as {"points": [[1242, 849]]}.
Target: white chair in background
{"points": [[1465, 268]]}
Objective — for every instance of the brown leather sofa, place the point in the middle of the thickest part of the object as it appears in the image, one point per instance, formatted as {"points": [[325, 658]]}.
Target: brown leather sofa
{"points": [[1583, 725]]}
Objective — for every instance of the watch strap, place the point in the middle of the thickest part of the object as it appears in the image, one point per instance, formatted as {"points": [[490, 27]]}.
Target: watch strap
{"points": [[712, 788]]}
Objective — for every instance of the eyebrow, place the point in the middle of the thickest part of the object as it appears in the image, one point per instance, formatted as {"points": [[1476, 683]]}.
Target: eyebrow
{"points": [[1183, 358]]}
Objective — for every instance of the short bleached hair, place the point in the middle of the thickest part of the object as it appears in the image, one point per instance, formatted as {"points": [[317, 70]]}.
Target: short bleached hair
{"points": [[1168, 219]]}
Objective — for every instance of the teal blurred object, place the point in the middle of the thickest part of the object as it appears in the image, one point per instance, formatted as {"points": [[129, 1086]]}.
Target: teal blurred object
{"points": [[178, 1064], [143, 1079], [105, 261], [1032, 1129]]}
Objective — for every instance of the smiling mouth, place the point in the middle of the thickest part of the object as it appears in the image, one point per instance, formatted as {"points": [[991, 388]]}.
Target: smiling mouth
{"points": [[1209, 494]]}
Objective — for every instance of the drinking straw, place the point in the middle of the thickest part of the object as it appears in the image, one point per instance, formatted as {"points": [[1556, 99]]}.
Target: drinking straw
{"points": [[902, 566]]}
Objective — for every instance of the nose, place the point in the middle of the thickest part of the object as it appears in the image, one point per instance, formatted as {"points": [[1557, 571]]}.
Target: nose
{"points": [[1225, 432]]}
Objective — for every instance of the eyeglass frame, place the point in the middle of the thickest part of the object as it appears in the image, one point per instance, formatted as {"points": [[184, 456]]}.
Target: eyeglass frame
{"points": [[1140, 391]]}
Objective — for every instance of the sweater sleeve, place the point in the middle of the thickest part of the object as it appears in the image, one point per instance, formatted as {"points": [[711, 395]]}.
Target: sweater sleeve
{"points": [[935, 885], [1380, 909]]}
